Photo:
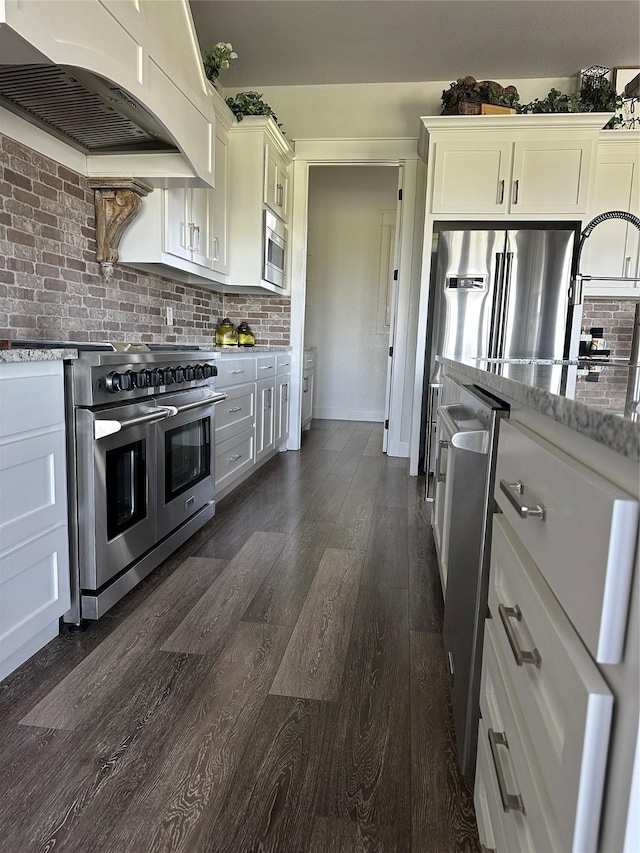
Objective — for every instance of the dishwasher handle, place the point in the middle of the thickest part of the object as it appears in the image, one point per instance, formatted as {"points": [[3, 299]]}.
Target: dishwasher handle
{"points": [[474, 440]]}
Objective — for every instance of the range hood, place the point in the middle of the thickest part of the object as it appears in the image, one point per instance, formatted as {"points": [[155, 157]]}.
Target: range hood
{"points": [[82, 108]]}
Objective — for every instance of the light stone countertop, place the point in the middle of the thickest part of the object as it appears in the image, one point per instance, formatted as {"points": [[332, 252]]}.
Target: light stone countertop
{"points": [[620, 434], [11, 356], [257, 350]]}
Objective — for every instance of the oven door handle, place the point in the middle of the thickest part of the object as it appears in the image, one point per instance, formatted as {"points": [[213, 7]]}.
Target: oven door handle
{"points": [[214, 398], [103, 428], [475, 440]]}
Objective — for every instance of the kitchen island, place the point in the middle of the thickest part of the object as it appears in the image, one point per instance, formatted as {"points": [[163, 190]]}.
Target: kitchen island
{"points": [[560, 676]]}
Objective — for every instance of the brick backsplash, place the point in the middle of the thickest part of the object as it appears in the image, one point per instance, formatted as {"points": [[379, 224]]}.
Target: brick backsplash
{"points": [[51, 285], [616, 318]]}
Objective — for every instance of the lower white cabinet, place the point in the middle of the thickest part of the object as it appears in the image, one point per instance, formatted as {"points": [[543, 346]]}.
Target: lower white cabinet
{"points": [[34, 545], [253, 422], [308, 375], [265, 424]]}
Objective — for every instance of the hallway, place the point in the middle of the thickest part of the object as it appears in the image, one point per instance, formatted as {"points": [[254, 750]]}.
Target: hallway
{"points": [[278, 684]]}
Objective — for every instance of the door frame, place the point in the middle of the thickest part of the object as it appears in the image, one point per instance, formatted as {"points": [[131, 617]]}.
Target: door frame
{"points": [[402, 153]]}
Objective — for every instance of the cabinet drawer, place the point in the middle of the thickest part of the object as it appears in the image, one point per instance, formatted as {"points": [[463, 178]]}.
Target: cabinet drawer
{"points": [[32, 396], [233, 457], [529, 826], [266, 366], [564, 700], [584, 546], [236, 413], [233, 371], [283, 363]]}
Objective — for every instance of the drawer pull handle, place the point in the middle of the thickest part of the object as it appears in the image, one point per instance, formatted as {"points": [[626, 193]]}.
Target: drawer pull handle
{"points": [[510, 802], [266, 367], [521, 655], [235, 409], [440, 477], [501, 192], [233, 458], [515, 491], [516, 188], [237, 371]]}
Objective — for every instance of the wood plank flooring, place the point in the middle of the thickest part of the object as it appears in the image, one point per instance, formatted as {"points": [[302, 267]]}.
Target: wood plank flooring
{"points": [[278, 684]]}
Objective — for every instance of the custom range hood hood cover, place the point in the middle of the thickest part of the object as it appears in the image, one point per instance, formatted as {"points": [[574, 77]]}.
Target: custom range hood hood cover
{"points": [[81, 108]]}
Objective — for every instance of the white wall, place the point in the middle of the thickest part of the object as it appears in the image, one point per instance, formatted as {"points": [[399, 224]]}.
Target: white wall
{"points": [[373, 110], [342, 321]]}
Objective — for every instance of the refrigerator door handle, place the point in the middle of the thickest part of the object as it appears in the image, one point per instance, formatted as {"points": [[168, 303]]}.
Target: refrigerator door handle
{"points": [[497, 292], [503, 305]]}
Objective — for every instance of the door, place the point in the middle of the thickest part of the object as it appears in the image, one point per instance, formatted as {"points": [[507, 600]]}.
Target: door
{"points": [[470, 177], [177, 229], [265, 420], [218, 236], [185, 450], [536, 298], [201, 227], [388, 298], [467, 278], [551, 176], [282, 409]]}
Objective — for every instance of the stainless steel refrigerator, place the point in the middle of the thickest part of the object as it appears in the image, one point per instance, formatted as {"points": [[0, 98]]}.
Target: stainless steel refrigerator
{"points": [[500, 295]]}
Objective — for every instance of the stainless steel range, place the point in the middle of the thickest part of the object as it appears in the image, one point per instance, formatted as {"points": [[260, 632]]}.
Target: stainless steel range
{"points": [[141, 457]]}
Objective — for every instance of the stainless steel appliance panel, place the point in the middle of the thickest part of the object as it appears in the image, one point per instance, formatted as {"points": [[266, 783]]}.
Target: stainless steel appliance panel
{"points": [[275, 250], [467, 273], [537, 277], [117, 488]]}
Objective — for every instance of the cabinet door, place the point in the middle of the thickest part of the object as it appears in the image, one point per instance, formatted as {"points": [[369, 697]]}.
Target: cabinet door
{"points": [[307, 398], [178, 229], [200, 225], [265, 421], [282, 404], [551, 176], [471, 177], [613, 249], [276, 181], [219, 236]]}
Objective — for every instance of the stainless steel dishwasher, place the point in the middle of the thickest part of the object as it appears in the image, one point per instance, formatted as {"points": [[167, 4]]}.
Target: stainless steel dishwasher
{"points": [[471, 429]]}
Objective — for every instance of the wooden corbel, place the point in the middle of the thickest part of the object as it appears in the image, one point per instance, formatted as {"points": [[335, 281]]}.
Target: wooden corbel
{"points": [[117, 202]]}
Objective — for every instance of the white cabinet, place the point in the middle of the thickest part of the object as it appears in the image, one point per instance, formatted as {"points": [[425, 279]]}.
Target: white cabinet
{"points": [[276, 181], [182, 232], [253, 422], [562, 560], [308, 376], [613, 249], [259, 158], [34, 545], [509, 166]]}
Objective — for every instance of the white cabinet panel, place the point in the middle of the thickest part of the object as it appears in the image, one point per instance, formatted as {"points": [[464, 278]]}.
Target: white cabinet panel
{"points": [[276, 182], [470, 177], [266, 418], [177, 222], [237, 412], [233, 370], [563, 698], [282, 409], [589, 527], [234, 459], [551, 176]]}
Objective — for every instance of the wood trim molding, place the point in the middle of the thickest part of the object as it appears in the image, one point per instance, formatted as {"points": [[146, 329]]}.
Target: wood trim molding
{"points": [[117, 202]]}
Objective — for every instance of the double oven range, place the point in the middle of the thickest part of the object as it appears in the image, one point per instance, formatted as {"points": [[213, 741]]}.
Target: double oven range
{"points": [[140, 463]]}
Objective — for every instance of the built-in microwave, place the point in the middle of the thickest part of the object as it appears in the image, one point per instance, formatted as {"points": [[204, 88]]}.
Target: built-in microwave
{"points": [[275, 250]]}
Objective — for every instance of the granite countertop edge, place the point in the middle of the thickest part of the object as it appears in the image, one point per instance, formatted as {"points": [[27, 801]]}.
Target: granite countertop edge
{"points": [[622, 436], [257, 350], [12, 356]]}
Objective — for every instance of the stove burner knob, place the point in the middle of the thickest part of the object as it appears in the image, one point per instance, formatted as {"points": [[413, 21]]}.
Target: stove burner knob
{"points": [[151, 377], [178, 374], [140, 378], [126, 382], [207, 371], [198, 371], [113, 382], [167, 375], [189, 373]]}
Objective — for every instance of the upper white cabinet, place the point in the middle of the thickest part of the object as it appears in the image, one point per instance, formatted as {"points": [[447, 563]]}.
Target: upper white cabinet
{"points": [[510, 165], [613, 249], [183, 232], [259, 157], [276, 180]]}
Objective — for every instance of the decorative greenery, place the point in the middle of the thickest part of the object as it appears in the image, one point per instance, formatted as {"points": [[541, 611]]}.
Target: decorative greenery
{"points": [[250, 104], [218, 59], [479, 92], [596, 95]]}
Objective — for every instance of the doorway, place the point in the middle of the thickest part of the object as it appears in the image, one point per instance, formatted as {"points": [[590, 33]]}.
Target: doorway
{"points": [[349, 301]]}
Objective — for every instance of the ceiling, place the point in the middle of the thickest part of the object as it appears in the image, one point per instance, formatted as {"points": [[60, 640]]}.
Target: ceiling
{"points": [[297, 42]]}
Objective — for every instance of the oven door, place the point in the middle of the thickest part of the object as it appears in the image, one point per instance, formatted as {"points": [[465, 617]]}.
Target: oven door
{"points": [[116, 479], [185, 449], [275, 250]]}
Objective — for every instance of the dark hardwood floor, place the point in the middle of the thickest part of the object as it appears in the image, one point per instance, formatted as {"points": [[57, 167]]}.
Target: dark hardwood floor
{"points": [[278, 684]]}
